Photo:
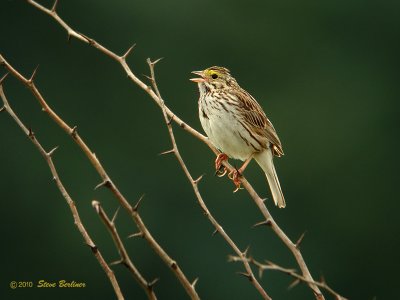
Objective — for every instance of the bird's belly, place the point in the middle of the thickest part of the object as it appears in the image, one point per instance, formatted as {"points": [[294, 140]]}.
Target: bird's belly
{"points": [[228, 135]]}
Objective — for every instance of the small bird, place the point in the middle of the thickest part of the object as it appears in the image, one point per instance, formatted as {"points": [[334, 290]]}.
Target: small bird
{"points": [[237, 125]]}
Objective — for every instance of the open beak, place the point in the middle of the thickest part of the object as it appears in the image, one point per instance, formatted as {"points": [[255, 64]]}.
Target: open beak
{"points": [[201, 79]]}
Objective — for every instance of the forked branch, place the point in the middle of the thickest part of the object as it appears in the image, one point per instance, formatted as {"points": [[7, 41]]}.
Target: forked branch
{"points": [[218, 228], [124, 256], [106, 181], [74, 211]]}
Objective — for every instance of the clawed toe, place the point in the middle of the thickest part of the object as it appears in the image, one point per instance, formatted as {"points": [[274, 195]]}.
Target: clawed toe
{"points": [[235, 177]]}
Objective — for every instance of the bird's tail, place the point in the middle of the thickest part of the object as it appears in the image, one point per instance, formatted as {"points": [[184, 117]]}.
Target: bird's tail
{"points": [[264, 159]]}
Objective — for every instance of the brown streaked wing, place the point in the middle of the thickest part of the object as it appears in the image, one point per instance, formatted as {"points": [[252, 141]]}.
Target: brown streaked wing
{"points": [[254, 115]]}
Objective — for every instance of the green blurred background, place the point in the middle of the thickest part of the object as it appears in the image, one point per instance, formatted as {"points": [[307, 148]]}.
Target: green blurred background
{"points": [[326, 73]]}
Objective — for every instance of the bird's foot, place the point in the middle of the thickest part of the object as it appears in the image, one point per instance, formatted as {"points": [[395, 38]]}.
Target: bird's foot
{"points": [[220, 170], [235, 175]]}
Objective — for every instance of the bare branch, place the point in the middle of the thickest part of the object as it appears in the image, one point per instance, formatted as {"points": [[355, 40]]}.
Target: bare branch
{"points": [[194, 184], [125, 259], [106, 179], [291, 272], [74, 211], [256, 198]]}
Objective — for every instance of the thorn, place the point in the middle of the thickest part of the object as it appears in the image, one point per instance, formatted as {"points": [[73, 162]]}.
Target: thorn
{"points": [[247, 275], [173, 265], [117, 262], [106, 183], [74, 131], [136, 207], [266, 222], [96, 205], [151, 284], [68, 38], [170, 120], [154, 62], [137, 234], [3, 78], [31, 134], [264, 199], [260, 272], [50, 153], [322, 279], [293, 284], [89, 40], [148, 77], [128, 52], [115, 215], [215, 232], [93, 248], [198, 179], [54, 7], [2, 109], [297, 245], [54, 178], [194, 282], [167, 152], [246, 251], [33, 75]]}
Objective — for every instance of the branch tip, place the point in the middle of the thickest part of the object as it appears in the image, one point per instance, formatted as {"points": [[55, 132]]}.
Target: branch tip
{"points": [[54, 7], [96, 205]]}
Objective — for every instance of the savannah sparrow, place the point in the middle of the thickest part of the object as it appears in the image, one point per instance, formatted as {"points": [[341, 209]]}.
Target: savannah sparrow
{"points": [[237, 125]]}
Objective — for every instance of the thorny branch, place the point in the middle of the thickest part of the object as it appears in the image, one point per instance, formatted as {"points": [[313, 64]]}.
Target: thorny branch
{"points": [[268, 220], [291, 272], [77, 220], [124, 256], [218, 228], [106, 180]]}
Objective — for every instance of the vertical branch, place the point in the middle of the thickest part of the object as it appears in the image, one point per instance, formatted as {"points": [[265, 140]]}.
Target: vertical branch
{"points": [[124, 256], [218, 228], [77, 220]]}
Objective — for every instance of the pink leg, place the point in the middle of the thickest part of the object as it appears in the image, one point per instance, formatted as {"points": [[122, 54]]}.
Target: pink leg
{"points": [[235, 174]]}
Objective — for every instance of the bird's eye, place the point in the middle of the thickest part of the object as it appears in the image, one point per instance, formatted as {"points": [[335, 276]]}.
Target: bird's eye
{"points": [[214, 76]]}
